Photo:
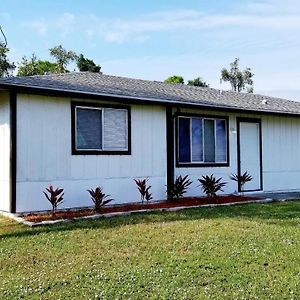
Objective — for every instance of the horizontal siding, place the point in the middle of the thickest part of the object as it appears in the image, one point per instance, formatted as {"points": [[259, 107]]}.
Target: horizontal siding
{"points": [[44, 155], [4, 151]]}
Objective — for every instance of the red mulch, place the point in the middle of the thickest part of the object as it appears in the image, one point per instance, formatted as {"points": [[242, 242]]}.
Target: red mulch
{"points": [[187, 201]]}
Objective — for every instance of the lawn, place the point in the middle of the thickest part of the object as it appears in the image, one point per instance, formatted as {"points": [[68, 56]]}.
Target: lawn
{"points": [[241, 252]]}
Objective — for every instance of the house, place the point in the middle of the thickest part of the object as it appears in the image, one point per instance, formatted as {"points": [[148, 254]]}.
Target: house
{"points": [[80, 130]]}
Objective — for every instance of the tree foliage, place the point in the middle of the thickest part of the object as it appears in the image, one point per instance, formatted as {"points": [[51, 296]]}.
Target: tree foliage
{"points": [[63, 57], [6, 67], [239, 80], [87, 65], [33, 66], [198, 82], [175, 79]]}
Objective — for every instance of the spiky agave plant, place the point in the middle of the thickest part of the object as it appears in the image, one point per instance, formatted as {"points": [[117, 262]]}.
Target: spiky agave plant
{"points": [[211, 185], [99, 198], [55, 197], [143, 189], [241, 180], [179, 187]]}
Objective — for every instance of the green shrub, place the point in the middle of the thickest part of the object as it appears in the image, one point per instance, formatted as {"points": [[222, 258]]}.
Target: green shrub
{"points": [[241, 179], [179, 187], [210, 185]]}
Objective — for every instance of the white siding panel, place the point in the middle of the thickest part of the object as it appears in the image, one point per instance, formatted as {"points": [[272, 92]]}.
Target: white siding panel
{"points": [[280, 149], [4, 151], [44, 156]]}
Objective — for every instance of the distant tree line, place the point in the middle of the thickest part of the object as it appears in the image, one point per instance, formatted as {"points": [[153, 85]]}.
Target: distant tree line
{"points": [[240, 80], [35, 66]]}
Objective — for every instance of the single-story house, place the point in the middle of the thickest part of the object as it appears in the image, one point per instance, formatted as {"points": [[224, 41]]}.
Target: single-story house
{"points": [[81, 130]]}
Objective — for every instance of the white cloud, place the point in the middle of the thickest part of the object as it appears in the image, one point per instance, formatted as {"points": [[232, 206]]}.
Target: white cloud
{"points": [[124, 30], [253, 16], [66, 24], [271, 6], [39, 26]]}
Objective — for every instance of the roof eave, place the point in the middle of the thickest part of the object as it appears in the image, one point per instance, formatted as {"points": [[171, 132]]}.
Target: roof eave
{"points": [[131, 99]]}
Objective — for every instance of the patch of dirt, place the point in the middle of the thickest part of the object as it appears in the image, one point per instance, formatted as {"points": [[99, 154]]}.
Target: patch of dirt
{"points": [[186, 201]]}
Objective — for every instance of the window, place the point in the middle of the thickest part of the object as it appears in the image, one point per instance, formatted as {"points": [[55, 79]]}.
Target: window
{"points": [[202, 141], [100, 130]]}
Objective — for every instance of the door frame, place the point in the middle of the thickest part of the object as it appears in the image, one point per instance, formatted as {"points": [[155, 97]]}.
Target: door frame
{"points": [[249, 120]]}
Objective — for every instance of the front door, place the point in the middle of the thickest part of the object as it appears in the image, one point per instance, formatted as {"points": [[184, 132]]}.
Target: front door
{"points": [[250, 152]]}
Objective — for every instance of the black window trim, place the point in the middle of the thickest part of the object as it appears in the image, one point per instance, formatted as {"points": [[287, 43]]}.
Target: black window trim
{"points": [[197, 164], [74, 105]]}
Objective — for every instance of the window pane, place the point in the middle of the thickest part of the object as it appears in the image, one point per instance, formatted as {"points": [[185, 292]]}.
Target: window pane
{"points": [[89, 128], [115, 129], [184, 140], [197, 145], [209, 140], [221, 141]]}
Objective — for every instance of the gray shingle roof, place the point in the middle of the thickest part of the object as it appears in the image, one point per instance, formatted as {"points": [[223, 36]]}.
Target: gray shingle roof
{"points": [[99, 84]]}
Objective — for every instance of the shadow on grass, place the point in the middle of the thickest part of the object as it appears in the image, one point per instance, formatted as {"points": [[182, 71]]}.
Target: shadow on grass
{"points": [[284, 211]]}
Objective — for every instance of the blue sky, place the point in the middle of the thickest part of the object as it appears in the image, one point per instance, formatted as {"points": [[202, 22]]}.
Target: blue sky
{"points": [[156, 39]]}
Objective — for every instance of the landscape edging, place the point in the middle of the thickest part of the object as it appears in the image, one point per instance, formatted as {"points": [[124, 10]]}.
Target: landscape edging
{"points": [[21, 220]]}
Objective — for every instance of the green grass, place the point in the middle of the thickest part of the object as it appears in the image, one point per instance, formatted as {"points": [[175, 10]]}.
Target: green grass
{"points": [[239, 252]]}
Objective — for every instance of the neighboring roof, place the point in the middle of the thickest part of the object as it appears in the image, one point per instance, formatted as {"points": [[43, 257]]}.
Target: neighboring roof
{"points": [[105, 85]]}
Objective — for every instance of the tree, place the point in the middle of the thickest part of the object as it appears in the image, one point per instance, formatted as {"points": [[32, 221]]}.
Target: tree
{"points": [[239, 80], [63, 57], [34, 66], [6, 67], [198, 82], [85, 64], [175, 79]]}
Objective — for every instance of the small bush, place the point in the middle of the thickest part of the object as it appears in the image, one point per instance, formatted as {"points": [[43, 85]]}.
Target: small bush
{"points": [[99, 198], [55, 197], [241, 179], [179, 187], [210, 185], [143, 189]]}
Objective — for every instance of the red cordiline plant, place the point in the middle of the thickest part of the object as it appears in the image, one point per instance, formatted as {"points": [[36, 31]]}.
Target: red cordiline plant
{"points": [[55, 197], [143, 189], [99, 198]]}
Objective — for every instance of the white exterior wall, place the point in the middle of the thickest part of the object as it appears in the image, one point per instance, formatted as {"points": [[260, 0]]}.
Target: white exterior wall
{"points": [[44, 156], [280, 152], [4, 151]]}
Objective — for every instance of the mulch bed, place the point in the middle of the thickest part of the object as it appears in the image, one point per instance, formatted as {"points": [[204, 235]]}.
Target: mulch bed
{"points": [[186, 202]]}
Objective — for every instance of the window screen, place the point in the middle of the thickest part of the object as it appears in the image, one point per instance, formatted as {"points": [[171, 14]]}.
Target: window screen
{"points": [[101, 129], [115, 129]]}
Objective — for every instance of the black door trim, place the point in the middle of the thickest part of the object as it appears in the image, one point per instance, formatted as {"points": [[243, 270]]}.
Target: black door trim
{"points": [[249, 120], [170, 145]]}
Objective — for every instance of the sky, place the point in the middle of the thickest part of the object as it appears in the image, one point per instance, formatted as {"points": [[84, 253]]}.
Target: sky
{"points": [[156, 39]]}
